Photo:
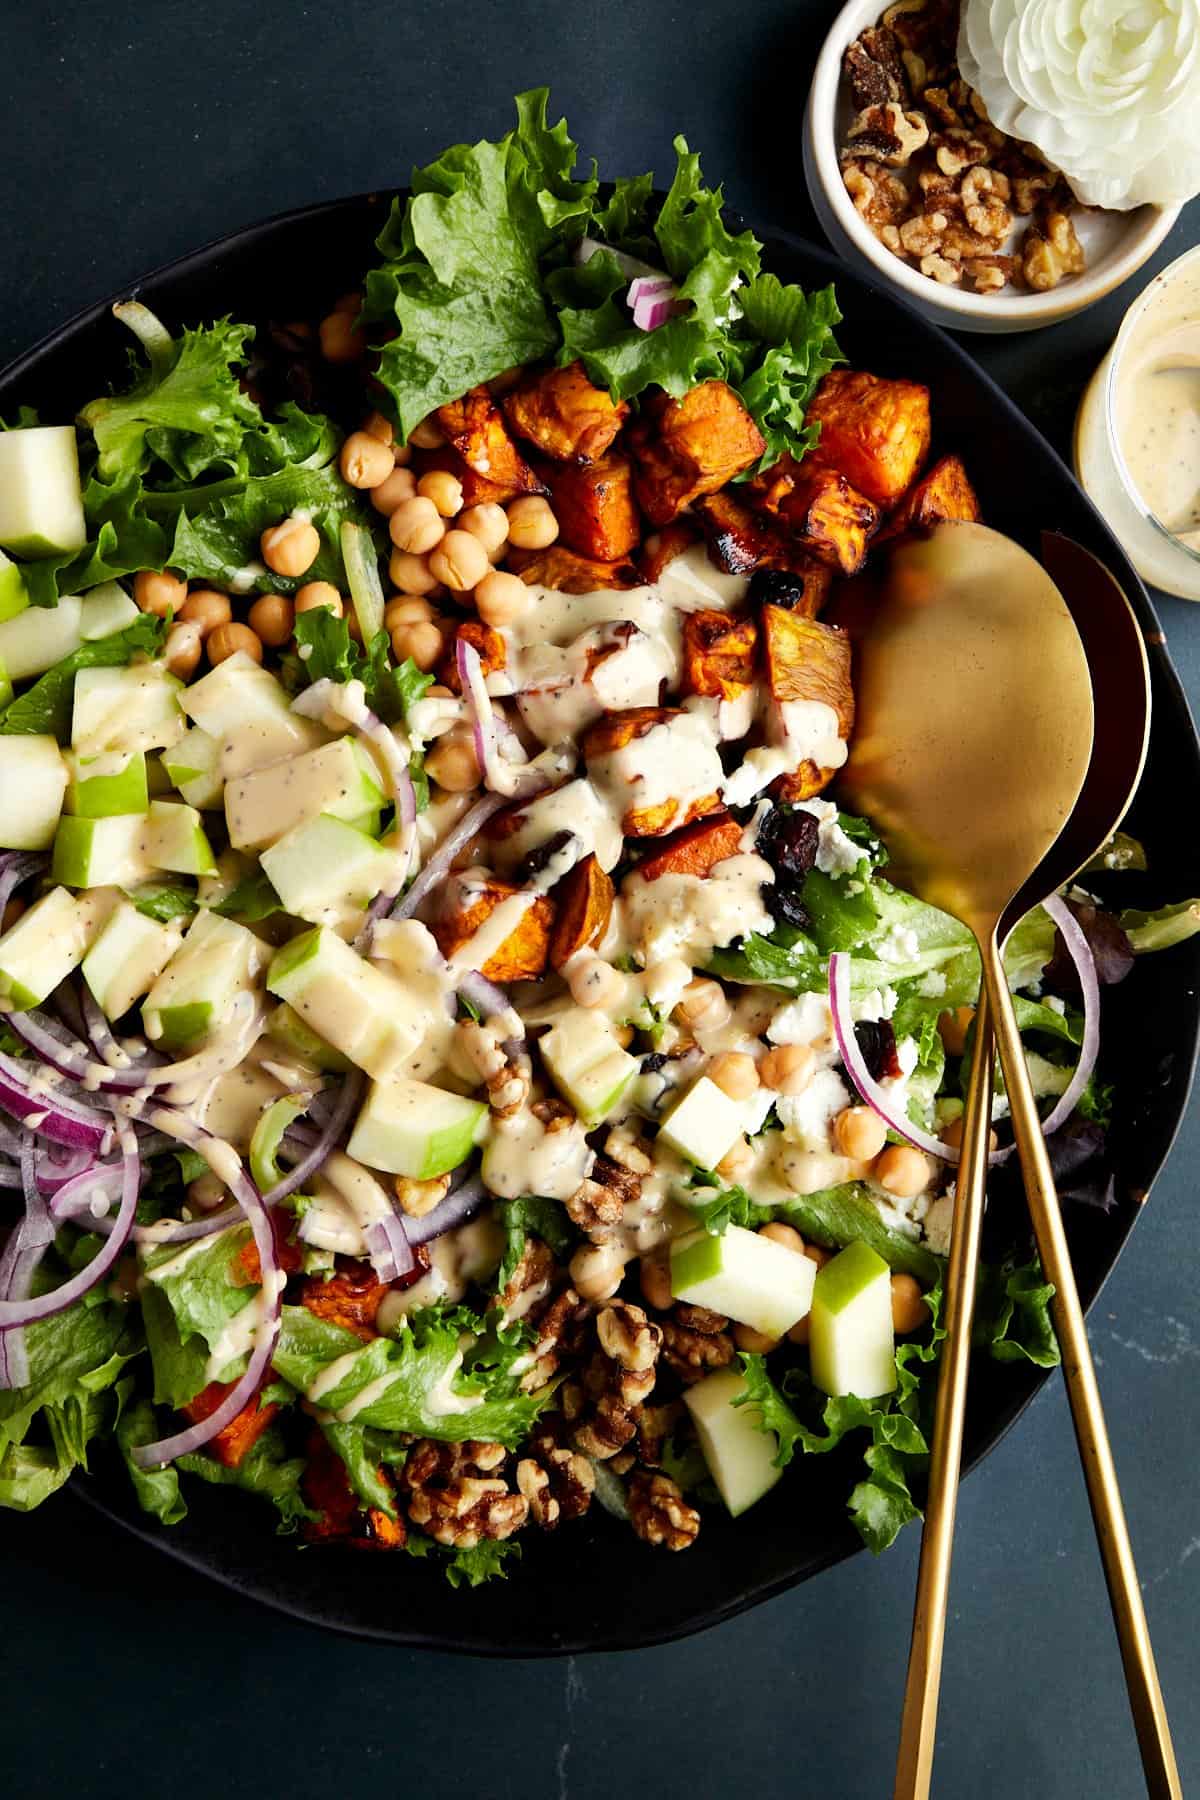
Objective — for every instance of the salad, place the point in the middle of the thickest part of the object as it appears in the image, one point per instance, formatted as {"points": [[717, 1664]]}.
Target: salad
{"points": [[458, 1066]]}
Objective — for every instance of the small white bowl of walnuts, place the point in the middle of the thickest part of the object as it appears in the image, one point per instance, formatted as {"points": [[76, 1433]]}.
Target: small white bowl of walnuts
{"points": [[909, 178]]}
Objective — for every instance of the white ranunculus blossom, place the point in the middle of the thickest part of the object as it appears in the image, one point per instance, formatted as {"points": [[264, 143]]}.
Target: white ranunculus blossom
{"points": [[1108, 90]]}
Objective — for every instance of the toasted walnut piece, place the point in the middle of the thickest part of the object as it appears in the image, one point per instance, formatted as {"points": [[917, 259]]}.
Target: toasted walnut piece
{"points": [[699, 1318], [985, 196], [508, 1091], [655, 1425], [530, 1282], [888, 133], [557, 1482], [958, 148], [890, 236], [938, 191], [553, 1115], [454, 1498], [917, 70], [939, 268], [619, 1377], [561, 1335], [620, 1181], [873, 68], [622, 1462], [1050, 250], [959, 241], [1029, 179], [628, 1151], [420, 1197], [659, 1513], [924, 235], [937, 101], [693, 1354], [879, 196], [596, 1209], [988, 274], [628, 1336]]}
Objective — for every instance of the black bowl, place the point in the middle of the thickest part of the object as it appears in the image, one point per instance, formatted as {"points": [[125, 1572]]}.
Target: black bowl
{"points": [[591, 1588]]}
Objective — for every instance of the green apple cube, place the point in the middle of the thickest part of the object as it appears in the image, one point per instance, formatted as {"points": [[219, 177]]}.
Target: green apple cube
{"points": [[705, 1125], [42, 948], [107, 852], [587, 1065], [339, 779], [33, 782], [127, 957], [135, 708], [112, 783], [193, 765], [41, 500], [851, 1344], [288, 1029], [410, 1128], [217, 960], [327, 871], [6, 687], [14, 597], [369, 1016], [106, 610], [249, 714], [34, 640], [753, 1279], [175, 839], [739, 1453]]}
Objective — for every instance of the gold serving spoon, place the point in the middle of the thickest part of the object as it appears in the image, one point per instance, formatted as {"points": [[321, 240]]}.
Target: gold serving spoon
{"points": [[973, 750]]}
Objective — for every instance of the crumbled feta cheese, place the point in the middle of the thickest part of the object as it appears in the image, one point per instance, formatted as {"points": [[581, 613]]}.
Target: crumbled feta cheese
{"points": [[1055, 1004], [938, 1222], [836, 853], [807, 1118], [879, 1003], [804, 1020], [933, 985], [900, 945]]}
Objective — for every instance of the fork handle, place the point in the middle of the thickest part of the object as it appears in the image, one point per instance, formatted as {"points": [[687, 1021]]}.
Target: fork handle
{"points": [[918, 1728], [1124, 1592]]}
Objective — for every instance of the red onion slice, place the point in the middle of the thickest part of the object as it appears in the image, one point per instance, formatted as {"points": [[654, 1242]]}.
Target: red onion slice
{"points": [[16, 867], [479, 707], [53, 1116], [876, 1096], [390, 1248], [461, 1204], [438, 866], [330, 1135], [1080, 952], [47, 1306]]}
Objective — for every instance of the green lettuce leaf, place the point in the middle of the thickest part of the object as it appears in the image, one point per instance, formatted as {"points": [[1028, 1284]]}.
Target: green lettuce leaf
{"points": [[266, 1470], [189, 1297], [411, 1377], [1012, 1314], [1161, 930], [718, 1207], [163, 901], [484, 1561], [217, 527], [546, 1219], [30, 1473], [837, 1216], [797, 331], [331, 654], [157, 1490], [253, 899], [46, 706], [365, 1453]]}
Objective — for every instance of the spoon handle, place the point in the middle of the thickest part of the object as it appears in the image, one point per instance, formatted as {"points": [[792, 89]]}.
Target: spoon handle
{"points": [[918, 1728], [1124, 1592]]}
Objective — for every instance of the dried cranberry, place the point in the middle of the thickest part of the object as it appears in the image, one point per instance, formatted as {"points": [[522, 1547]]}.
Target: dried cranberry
{"points": [[540, 859], [788, 840], [776, 587], [1110, 948], [782, 900], [653, 1062], [877, 1041]]}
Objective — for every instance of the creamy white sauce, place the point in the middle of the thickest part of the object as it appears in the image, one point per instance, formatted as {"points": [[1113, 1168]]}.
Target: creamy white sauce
{"points": [[522, 1157], [675, 762], [688, 916], [1158, 406]]}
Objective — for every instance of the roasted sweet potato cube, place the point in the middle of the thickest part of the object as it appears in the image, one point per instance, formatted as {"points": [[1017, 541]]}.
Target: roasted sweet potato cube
{"points": [[943, 492], [660, 549], [689, 447], [238, 1438], [718, 654], [742, 541], [488, 642], [584, 898], [617, 730], [470, 903], [326, 1488], [803, 783], [830, 518], [569, 572], [476, 429], [696, 849], [803, 589], [594, 506], [477, 489], [350, 1298], [562, 413], [874, 431], [807, 660]]}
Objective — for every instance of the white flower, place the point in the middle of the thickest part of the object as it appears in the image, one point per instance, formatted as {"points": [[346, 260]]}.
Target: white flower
{"points": [[1108, 90]]}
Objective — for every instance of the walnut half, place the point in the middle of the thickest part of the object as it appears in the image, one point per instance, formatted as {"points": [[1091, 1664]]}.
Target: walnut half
{"points": [[659, 1513]]}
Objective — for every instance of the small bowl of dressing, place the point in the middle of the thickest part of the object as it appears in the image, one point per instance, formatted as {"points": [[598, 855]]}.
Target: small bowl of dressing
{"points": [[1137, 433]]}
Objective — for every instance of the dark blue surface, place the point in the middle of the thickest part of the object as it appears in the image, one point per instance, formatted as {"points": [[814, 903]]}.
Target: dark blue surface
{"points": [[131, 135]]}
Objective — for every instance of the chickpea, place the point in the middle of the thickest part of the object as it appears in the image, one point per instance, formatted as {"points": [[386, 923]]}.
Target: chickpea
{"points": [[909, 1310], [422, 641], [206, 1193], [500, 599], [406, 609], [364, 461], [341, 341], [787, 1235], [376, 426], [954, 1026], [594, 982], [438, 692], [952, 1134], [734, 1073], [416, 526], [207, 609], [788, 1068], [817, 1253], [159, 593], [460, 561], [12, 913], [444, 489], [403, 454], [597, 1271], [428, 435], [273, 618], [737, 1161], [290, 547], [703, 1005], [859, 1133], [227, 640], [411, 573], [453, 764], [902, 1171], [489, 523], [319, 593], [654, 1274], [756, 1342], [393, 491], [181, 653], [531, 524]]}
